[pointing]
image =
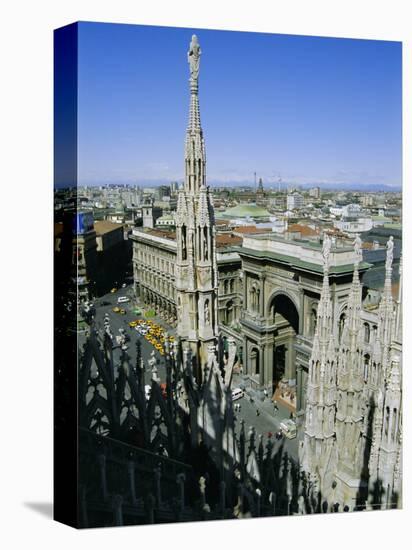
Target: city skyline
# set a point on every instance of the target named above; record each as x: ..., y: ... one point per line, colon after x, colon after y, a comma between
x: 290, y: 91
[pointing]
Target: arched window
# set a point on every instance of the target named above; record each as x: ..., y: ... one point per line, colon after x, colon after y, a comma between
x: 229, y: 312
x: 205, y: 244
x: 184, y: 247
x: 254, y: 356
x: 387, y: 422
x: 367, y: 332
x: 394, y: 415
x: 342, y: 321
x: 366, y: 363
x: 253, y: 299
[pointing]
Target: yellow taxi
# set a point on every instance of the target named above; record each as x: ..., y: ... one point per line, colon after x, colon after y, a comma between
x: 113, y: 290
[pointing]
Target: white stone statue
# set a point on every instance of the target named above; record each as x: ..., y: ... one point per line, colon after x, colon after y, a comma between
x: 389, y: 253
x: 327, y: 244
x: 207, y: 313
x: 193, y: 57
x: 357, y: 243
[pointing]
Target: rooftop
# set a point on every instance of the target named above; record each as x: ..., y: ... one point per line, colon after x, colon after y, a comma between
x: 228, y: 239
x: 245, y: 210
x: 103, y: 226
x: 250, y: 230
x: 302, y: 254
x: 304, y: 230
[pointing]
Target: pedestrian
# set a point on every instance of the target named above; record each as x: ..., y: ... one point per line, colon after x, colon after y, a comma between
x: 257, y: 412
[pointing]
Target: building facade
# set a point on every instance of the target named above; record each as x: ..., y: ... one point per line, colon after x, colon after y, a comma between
x: 295, y: 201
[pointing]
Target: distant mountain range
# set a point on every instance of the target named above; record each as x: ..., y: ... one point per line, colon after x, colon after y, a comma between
x: 365, y: 187
x: 368, y: 187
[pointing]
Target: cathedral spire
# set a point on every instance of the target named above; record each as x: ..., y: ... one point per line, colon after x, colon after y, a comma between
x: 386, y: 309
x: 196, y: 265
x: 318, y: 451
x: 350, y: 379
x: 195, y: 155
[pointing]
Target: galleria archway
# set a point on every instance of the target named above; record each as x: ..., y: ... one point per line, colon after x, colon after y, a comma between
x: 285, y: 322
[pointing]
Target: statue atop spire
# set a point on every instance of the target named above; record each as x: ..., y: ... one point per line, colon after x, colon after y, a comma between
x: 327, y: 245
x: 193, y: 57
x: 357, y: 243
x: 389, y: 254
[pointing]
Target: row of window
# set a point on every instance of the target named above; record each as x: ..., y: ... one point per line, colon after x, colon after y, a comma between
x: 164, y: 287
x: 154, y: 260
x: 228, y: 286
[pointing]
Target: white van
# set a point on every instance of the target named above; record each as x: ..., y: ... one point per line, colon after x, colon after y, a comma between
x: 123, y: 299
x: 237, y: 393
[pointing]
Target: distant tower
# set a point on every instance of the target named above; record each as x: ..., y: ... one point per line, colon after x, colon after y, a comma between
x: 260, y: 194
x: 148, y: 218
x: 196, y: 266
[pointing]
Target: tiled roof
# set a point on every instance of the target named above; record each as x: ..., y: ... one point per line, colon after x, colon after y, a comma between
x: 164, y: 234
x: 250, y: 230
x: 104, y: 226
x: 228, y: 240
x: 304, y: 230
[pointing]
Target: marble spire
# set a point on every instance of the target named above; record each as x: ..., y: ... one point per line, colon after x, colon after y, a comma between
x: 196, y: 265
x: 318, y: 453
x: 195, y: 153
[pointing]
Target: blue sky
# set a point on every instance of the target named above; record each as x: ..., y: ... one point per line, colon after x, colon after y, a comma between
x: 306, y: 109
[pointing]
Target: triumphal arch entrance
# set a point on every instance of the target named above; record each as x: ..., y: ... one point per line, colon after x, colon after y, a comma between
x: 282, y: 285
